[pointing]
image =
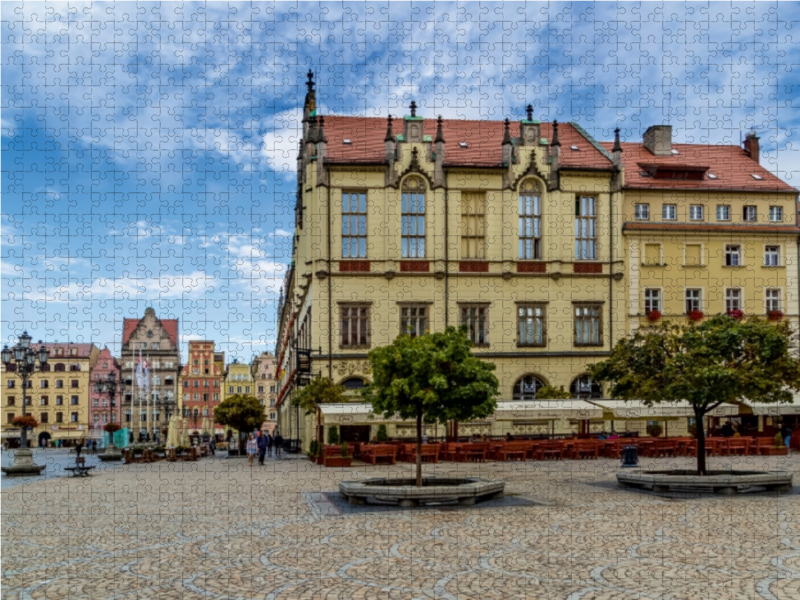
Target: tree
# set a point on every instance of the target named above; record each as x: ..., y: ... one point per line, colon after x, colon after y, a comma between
x: 434, y: 377
x: 547, y: 392
x: 321, y: 390
x: 241, y: 412
x: 724, y: 359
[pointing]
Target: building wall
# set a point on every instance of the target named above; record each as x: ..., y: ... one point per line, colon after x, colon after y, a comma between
x: 102, y: 409
x: 263, y: 372
x: 200, y: 384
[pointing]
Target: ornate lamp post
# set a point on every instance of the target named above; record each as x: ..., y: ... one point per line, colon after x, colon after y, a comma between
x: 23, y: 357
x: 109, y: 386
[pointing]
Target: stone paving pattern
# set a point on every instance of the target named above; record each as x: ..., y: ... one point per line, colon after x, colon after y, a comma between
x: 219, y: 529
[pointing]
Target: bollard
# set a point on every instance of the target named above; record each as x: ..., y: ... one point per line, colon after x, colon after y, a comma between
x: 629, y: 457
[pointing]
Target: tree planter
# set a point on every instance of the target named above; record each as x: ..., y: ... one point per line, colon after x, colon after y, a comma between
x: 338, y: 461
x: 773, y: 451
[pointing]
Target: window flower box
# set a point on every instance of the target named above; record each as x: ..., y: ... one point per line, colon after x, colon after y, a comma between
x: 654, y: 315
x: 736, y: 314
x: 696, y: 315
x: 775, y: 315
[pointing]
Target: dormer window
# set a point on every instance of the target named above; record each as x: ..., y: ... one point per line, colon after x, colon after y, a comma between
x: 674, y: 151
x: 463, y: 144
x: 758, y: 177
x: 574, y: 148
x: 712, y: 176
x: 346, y: 141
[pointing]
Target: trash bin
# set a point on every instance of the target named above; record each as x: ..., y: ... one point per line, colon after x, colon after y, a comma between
x: 629, y: 457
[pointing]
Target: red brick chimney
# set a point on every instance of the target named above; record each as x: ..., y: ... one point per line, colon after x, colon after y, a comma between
x: 751, y: 145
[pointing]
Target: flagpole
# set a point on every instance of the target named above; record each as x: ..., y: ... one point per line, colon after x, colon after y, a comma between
x: 133, y: 397
x: 138, y: 374
x: 151, y: 436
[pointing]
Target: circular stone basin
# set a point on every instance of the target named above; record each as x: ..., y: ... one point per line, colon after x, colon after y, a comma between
x: 404, y: 492
x: 717, y: 482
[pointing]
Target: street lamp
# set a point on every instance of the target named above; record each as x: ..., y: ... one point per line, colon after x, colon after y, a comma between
x: 23, y: 358
x: 108, y: 385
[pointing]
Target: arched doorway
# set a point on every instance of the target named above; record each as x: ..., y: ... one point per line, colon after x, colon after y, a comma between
x: 526, y: 387
x: 44, y: 438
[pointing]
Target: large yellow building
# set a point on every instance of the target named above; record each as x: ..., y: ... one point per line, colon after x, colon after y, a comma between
x: 545, y: 243
x: 57, y: 395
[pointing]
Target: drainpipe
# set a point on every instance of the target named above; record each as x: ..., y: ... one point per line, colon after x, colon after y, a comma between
x: 447, y: 249
x: 330, y: 274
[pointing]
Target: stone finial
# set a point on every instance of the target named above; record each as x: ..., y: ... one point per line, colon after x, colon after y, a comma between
x: 529, y: 112
x: 321, y: 132
x: 617, y: 147
x: 310, y: 82
x: 413, y: 108
x: 439, y: 132
x: 389, y: 134
x: 555, y: 142
x: 506, y: 133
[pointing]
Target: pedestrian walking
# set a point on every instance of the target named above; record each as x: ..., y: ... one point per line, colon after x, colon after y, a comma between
x: 261, y: 442
x: 252, y: 448
x: 278, y: 444
x: 94, y: 447
x: 786, y: 434
x: 78, y: 448
x: 212, y: 446
x: 270, y: 443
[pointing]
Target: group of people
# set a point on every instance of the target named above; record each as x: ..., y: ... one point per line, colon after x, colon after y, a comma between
x: 261, y: 443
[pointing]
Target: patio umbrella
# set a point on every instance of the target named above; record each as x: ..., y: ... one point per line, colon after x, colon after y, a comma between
x: 206, y: 428
x: 185, y: 433
x: 172, y: 433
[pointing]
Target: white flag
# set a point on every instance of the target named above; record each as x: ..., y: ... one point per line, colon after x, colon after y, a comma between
x: 147, y: 376
x: 139, y: 372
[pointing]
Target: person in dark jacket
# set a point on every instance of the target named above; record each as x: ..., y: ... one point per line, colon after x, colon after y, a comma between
x: 262, y: 446
x: 269, y: 444
x: 278, y: 443
x: 786, y: 434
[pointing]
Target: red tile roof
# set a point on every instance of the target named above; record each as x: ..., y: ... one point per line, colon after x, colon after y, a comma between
x: 714, y: 228
x: 483, y: 139
x: 732, y: 165
x: 169, y: 325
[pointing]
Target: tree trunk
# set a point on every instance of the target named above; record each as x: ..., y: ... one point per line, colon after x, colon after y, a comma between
x: 319, y: 425
x: 419, y: 449
x: 701, y: 440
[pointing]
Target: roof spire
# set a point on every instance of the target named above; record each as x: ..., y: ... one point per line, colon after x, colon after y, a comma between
x: 439, y: 132
x: 413, y: 109
x: 529, y: 112
x: 321, y: 131
x: 555, y: 141
x: 506, y: 133
x: 617, y: 147
x: 310, y: 82
x: 389, y: 134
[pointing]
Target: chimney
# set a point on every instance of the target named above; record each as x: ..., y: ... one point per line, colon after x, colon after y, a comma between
x: 751, y: 146
x: 412, y: 125
x: 658, y: 140
x: 616, y: 151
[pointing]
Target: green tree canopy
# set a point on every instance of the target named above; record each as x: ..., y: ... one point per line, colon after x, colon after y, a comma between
x: 321, y: 390
x: 548, y: 392
x: 240, y: 411
x: 721, y: 360
x: 432, y: 377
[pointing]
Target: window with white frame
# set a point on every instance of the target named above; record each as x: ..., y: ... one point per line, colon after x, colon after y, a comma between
x: 750, y: 213
x: 530, y: 225
x: 776, y: 213
x: 476, y: 318
x: 669, y: 212
x: 413, y: 218
x: 733, y: 255
x: 652, y: 300
x: 773, y: 300
x: 693, y: 301
x: 588, y: 325
x: 641, y: 212
x: 733, y: 299
x: 723, y: 213
x: 354, y: 225
x: 473, y: 225
x: 772, y: 256
x: 585, y: 234
x: 354, y: 325
x: 413, y: 319
x: 531, y: 324
x: 696, y: 212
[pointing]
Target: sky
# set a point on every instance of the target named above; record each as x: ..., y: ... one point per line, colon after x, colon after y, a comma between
x: 148, y: 149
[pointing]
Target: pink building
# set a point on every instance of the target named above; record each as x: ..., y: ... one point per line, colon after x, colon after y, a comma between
x: 101, y: 409
x: 263, y: 372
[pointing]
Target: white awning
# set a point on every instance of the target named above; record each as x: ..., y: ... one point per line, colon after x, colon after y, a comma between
x: 775, y: 410
x: 350, y: 412
x: 548, y: 410
x: 636, y: 409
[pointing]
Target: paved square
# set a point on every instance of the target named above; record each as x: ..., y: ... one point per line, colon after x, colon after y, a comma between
x: 220, y: 529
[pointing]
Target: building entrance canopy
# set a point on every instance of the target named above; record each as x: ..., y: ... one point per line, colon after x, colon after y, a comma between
x: 636, y: 409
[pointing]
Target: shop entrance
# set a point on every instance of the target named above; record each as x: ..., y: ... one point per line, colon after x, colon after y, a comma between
x: 354, y: 433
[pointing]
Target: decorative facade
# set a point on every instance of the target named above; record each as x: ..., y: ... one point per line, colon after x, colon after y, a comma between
x: 533, y: 235
x: 200, y: 384
x: 102, y: 408
x: 263, y: 372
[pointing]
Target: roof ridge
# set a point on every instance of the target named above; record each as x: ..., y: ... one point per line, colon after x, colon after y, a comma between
x: 591, y: 140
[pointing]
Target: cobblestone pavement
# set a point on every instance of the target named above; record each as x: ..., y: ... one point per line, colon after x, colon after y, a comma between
x: 220, y: 529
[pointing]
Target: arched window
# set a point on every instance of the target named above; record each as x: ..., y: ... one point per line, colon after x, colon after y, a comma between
x: 60, y: 367
x: 526, y: 387
x: 583, y: 387
x: 530, y: 221
x: 354, y: 383
x: 413, y: 218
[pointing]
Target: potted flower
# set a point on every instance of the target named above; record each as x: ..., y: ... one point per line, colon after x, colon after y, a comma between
x: 313, y: 450
x: 696, y: 315
x: 339, y: 461
x: 736, y: 314
x: 775, y: 315
x: 778, y: 449
x: 654, y: 315
x: 654, y: 430
x: 24, y: 422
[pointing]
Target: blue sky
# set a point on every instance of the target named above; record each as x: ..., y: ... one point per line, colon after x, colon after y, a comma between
x: 148, y: 150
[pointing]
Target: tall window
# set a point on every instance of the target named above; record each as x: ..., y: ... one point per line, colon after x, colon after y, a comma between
x: 652, y: 301
x: 771, y: 256
x: 773, y: 300
x: 693, y: 301
x: 473, y: 225
x: 750, y: 213
x: 354, y: 325
x: 696, y: 212
x: 588, y: 324
x: 641, y: 212
x: 775, y: 213
x: 531, y: 324
x: 733, y: 299
x: 530, y: 224
x: 733, y: 255
x: 413, y: 215
x: 476, y: 318
x: 354, y: 225
x: 585, y: 236
x: 723, y: 213
x: 669, y: 212
x: 413, y: 319
x: 526, y: 387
